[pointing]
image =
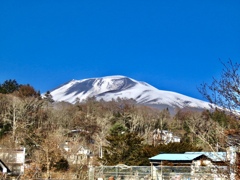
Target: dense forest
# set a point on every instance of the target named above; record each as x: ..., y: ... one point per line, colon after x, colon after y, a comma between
x: 115, y: 132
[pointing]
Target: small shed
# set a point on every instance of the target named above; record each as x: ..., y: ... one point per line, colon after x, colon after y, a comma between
x: 187, y: 158
x: 175, y: 159
x: 187, y: 164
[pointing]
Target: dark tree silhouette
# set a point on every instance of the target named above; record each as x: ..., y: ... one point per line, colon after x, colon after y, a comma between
x: 9, y: 86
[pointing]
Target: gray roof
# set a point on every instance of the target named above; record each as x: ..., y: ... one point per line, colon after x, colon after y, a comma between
x: 214, y: 156
x: 189, y: 156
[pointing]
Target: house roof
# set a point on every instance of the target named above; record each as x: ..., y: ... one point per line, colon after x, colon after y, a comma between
x: 214, y: 156
x: 2, y: 166
x: 189, y: 156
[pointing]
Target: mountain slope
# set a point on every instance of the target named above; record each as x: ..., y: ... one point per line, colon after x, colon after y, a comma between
x: 113, y: 87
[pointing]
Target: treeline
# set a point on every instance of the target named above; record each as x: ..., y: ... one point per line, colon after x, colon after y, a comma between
x: 118, y: 131
x: 12, y: 86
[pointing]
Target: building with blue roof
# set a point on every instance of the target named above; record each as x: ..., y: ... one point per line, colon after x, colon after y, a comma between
x: 188, y: 164
x: 174, y: 159
x: 188, y: 157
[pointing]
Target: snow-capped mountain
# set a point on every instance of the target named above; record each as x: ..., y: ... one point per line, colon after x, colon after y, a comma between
x: 113, y: 87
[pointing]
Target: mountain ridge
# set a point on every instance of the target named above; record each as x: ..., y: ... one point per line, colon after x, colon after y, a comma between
x: 118, y: 86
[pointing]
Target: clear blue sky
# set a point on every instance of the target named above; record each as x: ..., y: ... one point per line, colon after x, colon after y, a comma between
x: 173, y: 45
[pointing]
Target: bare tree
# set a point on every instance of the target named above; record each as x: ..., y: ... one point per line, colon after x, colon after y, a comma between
x: 224, y: 92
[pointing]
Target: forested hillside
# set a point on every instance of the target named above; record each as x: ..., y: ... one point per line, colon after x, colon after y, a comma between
x: 118, y: 131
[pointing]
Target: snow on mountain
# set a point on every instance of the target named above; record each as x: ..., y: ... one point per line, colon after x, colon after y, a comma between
x: 113, y: 87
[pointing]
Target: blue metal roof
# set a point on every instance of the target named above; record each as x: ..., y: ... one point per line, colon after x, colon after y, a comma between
x: 189, y: 156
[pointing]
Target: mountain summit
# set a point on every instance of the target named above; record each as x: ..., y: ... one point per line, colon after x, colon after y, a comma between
x: 113, y: 87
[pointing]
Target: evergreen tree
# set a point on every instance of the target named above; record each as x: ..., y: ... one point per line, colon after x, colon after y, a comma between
x: 123, y: 147
x: 9, y: 86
